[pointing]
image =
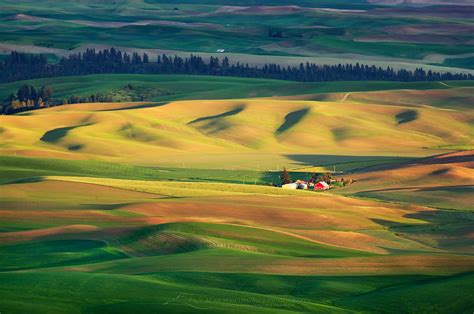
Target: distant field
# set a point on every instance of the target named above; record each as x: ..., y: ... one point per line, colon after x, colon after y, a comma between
x: 329, y: 32
x: 208, y: 87
x: 165, y: 200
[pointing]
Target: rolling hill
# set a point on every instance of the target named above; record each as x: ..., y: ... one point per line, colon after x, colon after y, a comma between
x: 160, y: 133
x: 161, y: 206
x: 443, y: 181
x: 167, y: 198
x: 156, y: 245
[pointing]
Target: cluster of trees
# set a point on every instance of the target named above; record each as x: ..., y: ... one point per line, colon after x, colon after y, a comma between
x: 285, y: 177
x: 327, y: 177
x: 318, y: 177
x: 27, y: 98
x: 19, y: 66
x: 85, y: 99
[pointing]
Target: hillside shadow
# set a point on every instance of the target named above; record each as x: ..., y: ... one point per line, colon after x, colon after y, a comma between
x: 406, y: 116
x: 292, y: 119
x: 449, y: 229
x: 158, y: 104
x: 23, y: 180
x: 340, y: 134
x: 104, y: 206
x: 232, y: 112
x: 75, y: 147
x: 53, y: 136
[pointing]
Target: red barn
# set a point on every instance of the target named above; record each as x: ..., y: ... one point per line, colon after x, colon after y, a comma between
x: 321, y: 186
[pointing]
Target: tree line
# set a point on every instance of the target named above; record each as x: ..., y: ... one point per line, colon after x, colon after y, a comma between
x: 29, y: 98
x: 21, y: 66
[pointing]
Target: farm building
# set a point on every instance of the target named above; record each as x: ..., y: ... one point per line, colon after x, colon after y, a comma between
x: 321, y: 186
x: 290, y: 186
x: 302, y: 185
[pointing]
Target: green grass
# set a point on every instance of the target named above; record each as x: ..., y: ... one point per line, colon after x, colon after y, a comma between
x: 437, y: 295
x: 222, y: 235
x: 455, y: 197
x: 132, y: 252
x: 122, y: 294
x: 237, y: 33
x: 185, y: 189
x: 390, y: 49
x: 55, y: 253
x: 225, y: 293
x: 208, y: 87
x: 18, y: 168
x: 129, y: 265
x: 467, y: 63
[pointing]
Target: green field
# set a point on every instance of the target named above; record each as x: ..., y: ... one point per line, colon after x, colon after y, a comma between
x: 208, y: 87
x: 167, y: 200
x: 82, y: 231
x: 124, y: 245
x: 322, y: 31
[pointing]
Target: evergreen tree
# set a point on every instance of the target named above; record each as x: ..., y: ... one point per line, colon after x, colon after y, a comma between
x: 23, y: 92
x: 326, y: 177
x: 285, y: 177
x: 46, y: 93
x: 33, y: 93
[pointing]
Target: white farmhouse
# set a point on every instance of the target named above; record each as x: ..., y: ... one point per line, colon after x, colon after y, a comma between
x: 290, y: 186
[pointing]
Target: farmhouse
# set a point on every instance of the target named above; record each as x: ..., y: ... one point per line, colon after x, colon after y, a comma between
x: 321, y: 186
x: 302, y: 185
x: 290, y: 186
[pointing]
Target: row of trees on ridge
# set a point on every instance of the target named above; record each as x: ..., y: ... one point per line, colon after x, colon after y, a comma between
x: 21, y: 66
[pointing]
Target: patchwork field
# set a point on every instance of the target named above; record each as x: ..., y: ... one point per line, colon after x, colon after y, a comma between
x: 410, y: 35
x: 166, y: 198
x: 443, y: 181
x: 124, y: 244
x: 168, y: 205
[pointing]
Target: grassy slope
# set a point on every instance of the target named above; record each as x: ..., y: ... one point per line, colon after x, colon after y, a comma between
x: 184, y: 292
x: 216, y: 246
x: 443, y: 181
x: 90, y: 243
x: 14, y: 168
x: 208, y: 87
x: 213, y: 246
x: 178, y: 266
x: 163, y: 134
x: 142, y: 293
